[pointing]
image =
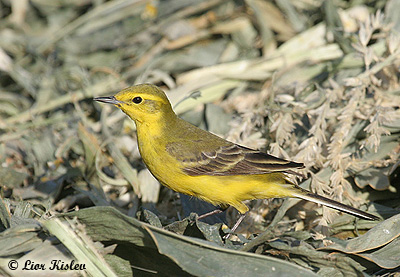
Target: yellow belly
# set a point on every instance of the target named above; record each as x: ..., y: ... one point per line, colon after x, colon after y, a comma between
x: 231, y: 190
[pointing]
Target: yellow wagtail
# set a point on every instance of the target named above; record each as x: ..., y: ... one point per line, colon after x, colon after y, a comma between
x: 192, y: 161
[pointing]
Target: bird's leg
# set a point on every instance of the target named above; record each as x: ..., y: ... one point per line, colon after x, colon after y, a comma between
x: 242, y: 216
x: 216, y: 211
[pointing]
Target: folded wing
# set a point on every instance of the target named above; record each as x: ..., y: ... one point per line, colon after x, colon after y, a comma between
x: 233, y: 160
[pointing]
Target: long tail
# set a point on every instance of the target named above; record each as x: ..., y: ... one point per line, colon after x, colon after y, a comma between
x: 306, y: 195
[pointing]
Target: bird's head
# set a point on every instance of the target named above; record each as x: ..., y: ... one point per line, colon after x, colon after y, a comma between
x: 142, y: 103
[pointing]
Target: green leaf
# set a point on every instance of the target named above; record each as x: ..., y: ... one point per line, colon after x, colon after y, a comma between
x: 380, y: 235
x: 201, y: 259
x: 387, y: 256
x: 5, y: 216
x: 80, y: 246
x: 19, y: 239
x: 157, y: 249
x: 304, y: 254
x: 380, y: 245
x: 11, y: 178
x: 377, y: 178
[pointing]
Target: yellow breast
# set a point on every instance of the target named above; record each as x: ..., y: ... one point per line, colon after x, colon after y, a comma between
x: 232, y: 190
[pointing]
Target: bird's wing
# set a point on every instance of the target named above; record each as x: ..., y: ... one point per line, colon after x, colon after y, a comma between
x: 229, y: 159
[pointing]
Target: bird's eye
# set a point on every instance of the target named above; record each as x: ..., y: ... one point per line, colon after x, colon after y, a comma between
x: 137, y: 100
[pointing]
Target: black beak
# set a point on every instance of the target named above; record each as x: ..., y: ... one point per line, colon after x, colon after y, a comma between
x: 108, y: 100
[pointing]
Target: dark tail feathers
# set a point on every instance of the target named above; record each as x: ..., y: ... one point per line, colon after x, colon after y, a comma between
x: 335, y: 205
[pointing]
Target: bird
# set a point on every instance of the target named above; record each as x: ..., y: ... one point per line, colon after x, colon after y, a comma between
x: 195, y: 162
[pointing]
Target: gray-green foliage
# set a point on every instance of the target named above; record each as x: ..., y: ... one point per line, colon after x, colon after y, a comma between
x: 312, y: 81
